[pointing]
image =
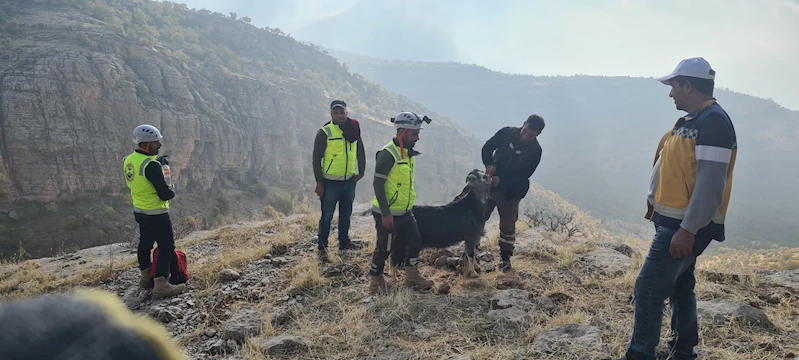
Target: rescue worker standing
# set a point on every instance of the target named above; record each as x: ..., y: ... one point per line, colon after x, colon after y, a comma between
x: 337, y: 149
x: 689, y: 195
x: 511, y: 157
x: 151, y: 194
x: 393, y: 203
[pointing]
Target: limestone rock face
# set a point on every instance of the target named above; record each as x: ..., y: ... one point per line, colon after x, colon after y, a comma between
x: 67, y: 111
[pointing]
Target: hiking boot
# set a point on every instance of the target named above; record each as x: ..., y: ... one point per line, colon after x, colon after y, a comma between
x: 415, y: 280
x: 378, y: 285
x: 323, y: 255
x: 504, y: 262
x: 351, y: 245
x: 146, y: 282
x: 163, y: 289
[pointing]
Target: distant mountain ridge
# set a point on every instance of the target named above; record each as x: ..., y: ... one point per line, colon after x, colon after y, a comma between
x: 601, y: 136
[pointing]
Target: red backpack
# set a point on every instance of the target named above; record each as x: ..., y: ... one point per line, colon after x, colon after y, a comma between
x: 178, y: 271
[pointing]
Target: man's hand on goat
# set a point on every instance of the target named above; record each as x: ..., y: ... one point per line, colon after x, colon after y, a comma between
x: 490, y: 170
x: 388, y: 221
x: 494, y: 181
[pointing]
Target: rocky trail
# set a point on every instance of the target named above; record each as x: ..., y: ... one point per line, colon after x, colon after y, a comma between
x: 257, y: 291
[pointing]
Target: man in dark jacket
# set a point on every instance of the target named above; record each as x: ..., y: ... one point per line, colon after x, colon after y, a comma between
x: 511, y: 156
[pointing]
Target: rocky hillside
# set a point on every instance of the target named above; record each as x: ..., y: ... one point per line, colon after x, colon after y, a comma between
x: 601, y: 136
x: 238, y: 105
x: 256, y: 291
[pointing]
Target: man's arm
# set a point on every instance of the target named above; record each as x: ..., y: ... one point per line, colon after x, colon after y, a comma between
x: 361, y: 154
x: 319, y: 145
x: 714, y: 146
x: 491, y: 145
x: 155, y: 175
x: 383, y: 165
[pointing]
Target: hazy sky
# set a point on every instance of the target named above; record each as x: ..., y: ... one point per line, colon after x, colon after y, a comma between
x: 752, y: 44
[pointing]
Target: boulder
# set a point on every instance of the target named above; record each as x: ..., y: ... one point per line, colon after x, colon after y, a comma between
x: 719, y: 312
x: 570, y: 340
x: 606, y: 261
x: 247, y: 322
x: 283, y: 344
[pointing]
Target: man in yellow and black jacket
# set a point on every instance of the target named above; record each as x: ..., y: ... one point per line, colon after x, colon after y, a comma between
x: 339, y: 162
x: 392, y: 206
x: 151, y: 194
x: 688, y: 197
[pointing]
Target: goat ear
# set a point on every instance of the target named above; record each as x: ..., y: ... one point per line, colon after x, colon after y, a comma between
x: 463, y: 193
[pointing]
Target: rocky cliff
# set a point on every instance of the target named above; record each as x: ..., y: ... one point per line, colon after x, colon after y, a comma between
x: 240, y: 109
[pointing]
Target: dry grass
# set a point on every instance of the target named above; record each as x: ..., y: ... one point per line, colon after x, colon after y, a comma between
x: 727, y: 259
x: 567, y: 254
x: 206, y: 270
x: 305, y: 274
x: 341, y: 322
x: 29, y: 279
x: 240, y: 246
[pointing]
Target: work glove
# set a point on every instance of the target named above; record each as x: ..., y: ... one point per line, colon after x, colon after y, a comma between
x: 163, y: 160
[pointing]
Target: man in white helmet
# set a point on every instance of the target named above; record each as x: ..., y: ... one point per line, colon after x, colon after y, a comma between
x: 151, y: 194
x: 392, y: 205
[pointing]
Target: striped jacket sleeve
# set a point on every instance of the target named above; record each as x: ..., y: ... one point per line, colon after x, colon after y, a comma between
x: 714, y: 145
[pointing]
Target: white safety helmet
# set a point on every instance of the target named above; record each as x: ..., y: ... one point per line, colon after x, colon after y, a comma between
x: 146, y: 133
x: 409, y: 120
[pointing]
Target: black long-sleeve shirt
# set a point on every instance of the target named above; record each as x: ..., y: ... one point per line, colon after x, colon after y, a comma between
x: 515, y: 161
x: 155, y: 175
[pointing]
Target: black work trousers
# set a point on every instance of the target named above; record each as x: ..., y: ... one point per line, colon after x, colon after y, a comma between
x: 404, y: 235
x: 155, y: 229
x: 508, y: 215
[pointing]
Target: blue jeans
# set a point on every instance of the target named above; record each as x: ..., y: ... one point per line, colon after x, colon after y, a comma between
x: 663, y: 277
x: 343, y: 194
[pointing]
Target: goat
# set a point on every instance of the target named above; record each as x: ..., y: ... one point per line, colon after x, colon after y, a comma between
x: 442, y: 226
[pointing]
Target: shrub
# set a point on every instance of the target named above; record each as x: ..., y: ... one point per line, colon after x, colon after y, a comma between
x: 11, y: 26
x: 282, y: 203
x: 222, y: 205
x: 51, y: 207
x: 271, y: 212
x: 71, y: 222
x: 97, y: 235
x: 260, y: 190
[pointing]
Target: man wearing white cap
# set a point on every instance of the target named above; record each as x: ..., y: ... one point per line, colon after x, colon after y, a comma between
x: 688, y: 197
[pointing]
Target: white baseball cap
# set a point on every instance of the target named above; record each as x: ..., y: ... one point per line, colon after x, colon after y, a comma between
x: 694, y: 67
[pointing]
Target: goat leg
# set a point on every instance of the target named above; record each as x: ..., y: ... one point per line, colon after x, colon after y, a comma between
x: 467, y: 266
x: 393, y: 271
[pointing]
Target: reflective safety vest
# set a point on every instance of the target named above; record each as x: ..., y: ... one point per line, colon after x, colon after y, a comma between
x: 145, y: 198
x: 400, y: 193
x: 340, y: 159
